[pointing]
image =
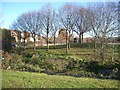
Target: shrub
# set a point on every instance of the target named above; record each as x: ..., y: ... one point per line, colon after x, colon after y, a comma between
x: 26, y: 57
x: 27, y: 54
x: 17, y: 50
x: 42, y: 61
x: 5, y: 63
x: 26, y: 60
x: 56, y: 65
x: 6, y: 40
x: 32, y: 68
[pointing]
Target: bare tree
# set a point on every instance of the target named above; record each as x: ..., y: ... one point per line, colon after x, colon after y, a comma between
x: 47, y: 21
x: 103, y: 23
x: 20, y: 24
x: 28, y: 22
x: 55, y: 25
x: 68, y: 19
x: 81, y: 24
x: 33, y: 21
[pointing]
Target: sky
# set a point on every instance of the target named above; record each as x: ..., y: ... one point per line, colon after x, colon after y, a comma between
x: 11, y: 9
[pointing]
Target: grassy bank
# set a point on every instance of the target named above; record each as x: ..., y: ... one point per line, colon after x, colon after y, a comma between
x: 18, y: 79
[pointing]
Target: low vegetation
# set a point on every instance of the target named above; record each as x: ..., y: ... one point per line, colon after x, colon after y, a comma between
x: 78, y: 62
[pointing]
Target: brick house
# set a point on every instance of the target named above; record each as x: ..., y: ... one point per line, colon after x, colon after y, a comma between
x: 17, y: 36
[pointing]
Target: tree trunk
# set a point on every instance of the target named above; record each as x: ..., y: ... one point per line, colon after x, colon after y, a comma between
x: 66, y: 42
x: 95, y: 48
x: 101, y: 53
x: 24, y: 44
x: 19, y: 42
x: 103, y: 48
x: 79, y: 38
x: 82, y: 38
x: 54, y: 41
x: 34, y: 43
x: 69, y: 41
x: 47, y: 42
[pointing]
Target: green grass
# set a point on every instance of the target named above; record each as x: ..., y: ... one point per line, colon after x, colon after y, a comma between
x: 86, y: 53
x: 83, y: 51
x: 17, y: 79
